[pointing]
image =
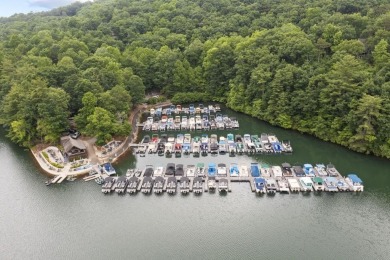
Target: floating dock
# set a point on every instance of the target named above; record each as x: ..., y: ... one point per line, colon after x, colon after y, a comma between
x: 270, y: 175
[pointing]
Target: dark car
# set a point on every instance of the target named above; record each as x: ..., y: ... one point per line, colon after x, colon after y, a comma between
x: 75, y: 135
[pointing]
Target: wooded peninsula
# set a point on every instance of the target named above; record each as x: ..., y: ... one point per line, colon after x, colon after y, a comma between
x: 321, y: 67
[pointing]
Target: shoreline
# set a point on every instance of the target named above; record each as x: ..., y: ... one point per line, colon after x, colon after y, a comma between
x: 112, y: 157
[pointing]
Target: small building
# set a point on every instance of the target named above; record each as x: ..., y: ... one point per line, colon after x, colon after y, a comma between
x: 73, y: 147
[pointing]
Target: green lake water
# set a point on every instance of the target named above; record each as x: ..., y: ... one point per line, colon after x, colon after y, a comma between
x: 75, y: 220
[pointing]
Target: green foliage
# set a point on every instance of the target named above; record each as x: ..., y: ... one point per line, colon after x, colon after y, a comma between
x: 321, y: 67
x: 190, y: 97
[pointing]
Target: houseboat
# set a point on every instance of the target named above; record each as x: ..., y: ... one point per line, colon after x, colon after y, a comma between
x: 331, y: 170
x: 294, y: 185
x: 211, y: 109
x: 170, y: 169
x: 133, y: 184
x: 168, y: 150
x: 221, y: 170
x: 306, y: 183
x: 265, y: 170
x: 121, y: 185
x: 222, y: 145
x: 171, y: 185
x: 239, y: 144
x: 318, y: 184
x: 232, y: 149
x: 271, y: 186
x: 298, y: 171
x: 309, y: 170
x: 223, y: 185
x: 190, y: 171
x: 184, y: 123
x: 178, y: 150
x: 178, y: 109
x: 257, y: 143
x: 230, y: 138
x: 158, y: 184
x: 148, y: 171
x: 108, y: 185
x: 255, y: 172
x: 147, y: 185
x: 259, y: 185
x: 159, y: 171
x: 342, y: 185
x: 283, y: 186
x: 287, y: 146
x: 217, y: 108
x: 179, y: 171
x: 212, y: 169
x: 170, y: 124
x: 197, y: 185
x: 277, y: 172
x: 320, y: 170
x: 200, y: 170
x: 354, y: 182
x: 108, y: 169
x: 205, y: 123
x: 244, y: 172
x: 192, y: 125
x: 233, y: 170
x: 286, y: 169
x: 184, y: 185
x: 211, y: 183
x: 330, y: 184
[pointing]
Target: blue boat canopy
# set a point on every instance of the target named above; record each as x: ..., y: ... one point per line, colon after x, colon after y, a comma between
x: 259, y: 180
x: 354, y: 178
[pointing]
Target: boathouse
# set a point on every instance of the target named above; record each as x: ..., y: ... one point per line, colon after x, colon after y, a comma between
x: 73, y: 147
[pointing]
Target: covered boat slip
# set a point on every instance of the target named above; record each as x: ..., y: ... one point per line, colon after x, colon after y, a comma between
x: 199, y: 178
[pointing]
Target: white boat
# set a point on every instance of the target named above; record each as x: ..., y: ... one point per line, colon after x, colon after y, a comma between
x: 306, y: 183
x: 223, y: 185
x: 187, y: 139
x: 184, y: 122
x: 198, y: 122
x: 318, y: 184
x: 211, y: 184
x: 294, y: 185
x: 221, y: 170
x: 159, y: 171
x: 272, y: 138
x: 354, y: 182
x: 277, y: 171
x: 244, y: 171
x: 283, y: 186
x: 180, y: 139
x: 271, y: 186
x: 321, y: 170
x: 168, y: 148
x: 190, y: 171
x: 192, y: 123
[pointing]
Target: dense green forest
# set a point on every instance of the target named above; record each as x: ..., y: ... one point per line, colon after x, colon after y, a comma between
x: 318, y: 66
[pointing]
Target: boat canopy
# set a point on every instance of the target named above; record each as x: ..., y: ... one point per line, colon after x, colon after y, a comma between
x: 354, y: 178
x: 318, y: 180
x: 260, y: 180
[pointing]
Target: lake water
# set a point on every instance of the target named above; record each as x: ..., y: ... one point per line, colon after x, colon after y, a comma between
x: 75, y: 220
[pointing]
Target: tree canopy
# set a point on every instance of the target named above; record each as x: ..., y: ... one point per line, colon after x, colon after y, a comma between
x: 321, y: 67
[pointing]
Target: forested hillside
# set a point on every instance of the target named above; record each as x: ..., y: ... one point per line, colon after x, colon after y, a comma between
x: 318, y: 66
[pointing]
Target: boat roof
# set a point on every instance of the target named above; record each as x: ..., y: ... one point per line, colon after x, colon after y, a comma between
x: 122, y: 178
x: 286, y: 165
x: 146, y: 179
x: 259, y: 180
x: 318, y: 179
x: 330, y: 179
x: 170, y: 179
x: 221, y: 165
x: 133, y: 179
x: 200, y: 164
x: 355, y: 178
x: 159, y: 179
x: 198, y: 179
x: 212, y: 165
x: 184, y: 179
x: 308, y: 165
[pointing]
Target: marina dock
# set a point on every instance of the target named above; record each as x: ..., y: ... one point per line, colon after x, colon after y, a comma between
x: 262, y: 179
